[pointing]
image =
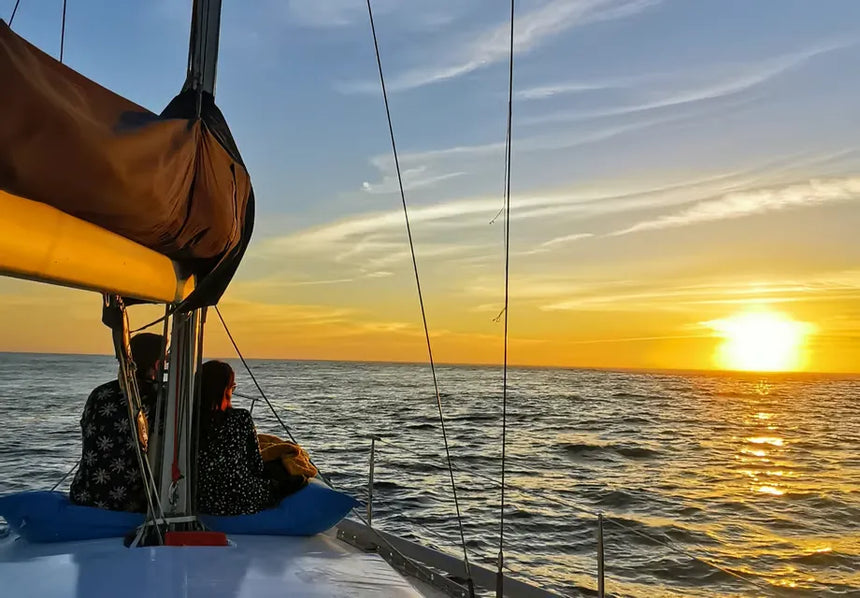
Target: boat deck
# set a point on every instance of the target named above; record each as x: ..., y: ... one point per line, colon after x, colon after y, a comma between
x: 251, y: 567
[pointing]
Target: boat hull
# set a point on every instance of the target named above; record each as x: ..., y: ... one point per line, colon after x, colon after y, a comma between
x: 251, y: 567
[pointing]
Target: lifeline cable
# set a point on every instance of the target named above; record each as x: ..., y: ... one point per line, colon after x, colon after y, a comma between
x: 420, y: 299
x: 500, y: 573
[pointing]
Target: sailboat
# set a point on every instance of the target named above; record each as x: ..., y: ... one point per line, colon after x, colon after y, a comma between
x: 99, y: 194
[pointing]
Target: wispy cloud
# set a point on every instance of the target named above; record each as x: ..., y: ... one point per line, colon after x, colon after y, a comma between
x: 428, y: 168
x: 382, y: 232
x: 543, y: 92
x: 566, y: 239
x: 456, y: 233
x: 243, y: 311
x: 332, y: 13
x: 671, y: 90
x: 746, y: 203
x: 413, y: 178
x: 554, y: 243
x: 533, y: 29
x: 690, y: 294
x: 343, y: 13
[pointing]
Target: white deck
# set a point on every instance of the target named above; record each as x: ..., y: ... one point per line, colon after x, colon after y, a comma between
x: 253, y: 567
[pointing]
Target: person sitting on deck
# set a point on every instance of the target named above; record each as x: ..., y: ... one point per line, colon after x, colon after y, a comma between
x: 109, y: 475
x: 230, y: 467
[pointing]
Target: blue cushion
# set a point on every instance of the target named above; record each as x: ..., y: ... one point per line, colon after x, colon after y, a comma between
x: 311, y: 510
x: 50, y: 517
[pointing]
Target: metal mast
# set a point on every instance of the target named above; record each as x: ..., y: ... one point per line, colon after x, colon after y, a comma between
x: 186, y: 339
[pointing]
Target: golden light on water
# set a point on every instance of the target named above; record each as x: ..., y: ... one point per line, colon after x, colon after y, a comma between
x: 761, y: 341
x: 771, y: 440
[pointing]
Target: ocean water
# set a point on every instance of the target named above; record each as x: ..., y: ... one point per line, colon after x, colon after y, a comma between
x: 757, y: 474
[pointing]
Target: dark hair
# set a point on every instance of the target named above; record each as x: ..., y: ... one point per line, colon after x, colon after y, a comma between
x: 147, y: 350
x: 215, y: 378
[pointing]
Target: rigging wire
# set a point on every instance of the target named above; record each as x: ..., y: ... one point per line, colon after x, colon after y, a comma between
x: 672, y: 546
x: 420, y: 296
x: 549, y: 497
x: 263, y: 394
x: 567, y: 504
x: 253, y: 377
x: 383, y: 541
x: 546, y: 495
x: 167, y: 313
x: 161, y: 394
x: 128, y: 386
x: 543, y: 494
x: 500, y: 576
x: 68, y: 473
x: 14, y: 10
x: 62, y: 32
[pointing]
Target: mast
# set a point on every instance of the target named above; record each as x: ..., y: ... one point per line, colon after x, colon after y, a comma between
x: 186, y: 340
x: 203, y: 50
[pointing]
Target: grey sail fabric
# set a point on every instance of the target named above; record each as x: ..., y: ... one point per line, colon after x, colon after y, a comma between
x: 174, y: 182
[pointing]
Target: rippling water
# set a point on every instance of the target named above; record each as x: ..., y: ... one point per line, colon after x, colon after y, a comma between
x: 760, y: 475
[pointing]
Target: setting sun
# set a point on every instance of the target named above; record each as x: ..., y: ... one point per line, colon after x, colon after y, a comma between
x: 761, y: 341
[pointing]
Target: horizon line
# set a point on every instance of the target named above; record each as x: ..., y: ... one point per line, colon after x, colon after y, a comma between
x: 617, y: 369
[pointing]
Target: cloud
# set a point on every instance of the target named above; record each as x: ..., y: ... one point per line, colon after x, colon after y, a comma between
x: 684, y: 88
x: 344, y: 13
x: 566, y: 239
x: 747, y: 203
x: 359, y: 230
x: 458, y: 231
x: 243, y: 311
x: 413, y: 178
x: 303, y: 283
x: 693, y: 294
x: 332, y: 13
x: 575, y: 87
x: 371, y: 233
x: 533, y: 29
x: 547, y: 246
x: 426, y: 169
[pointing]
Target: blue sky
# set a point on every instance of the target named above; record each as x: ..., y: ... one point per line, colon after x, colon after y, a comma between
x: 662, y: 149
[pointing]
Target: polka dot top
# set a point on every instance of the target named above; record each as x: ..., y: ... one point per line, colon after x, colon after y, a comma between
x: 231, y: 468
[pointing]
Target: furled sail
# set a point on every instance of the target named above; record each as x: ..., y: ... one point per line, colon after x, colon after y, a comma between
x: 174, y: 183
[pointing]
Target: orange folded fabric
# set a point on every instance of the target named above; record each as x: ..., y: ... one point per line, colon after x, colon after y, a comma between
x: 295, y: 459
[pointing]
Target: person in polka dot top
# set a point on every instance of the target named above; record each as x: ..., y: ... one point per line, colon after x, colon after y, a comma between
x: 232, y: 481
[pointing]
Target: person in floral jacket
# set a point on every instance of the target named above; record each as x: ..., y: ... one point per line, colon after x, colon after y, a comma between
x: 109, y: 475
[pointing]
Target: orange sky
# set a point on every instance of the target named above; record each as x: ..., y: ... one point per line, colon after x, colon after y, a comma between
x: 662, y: 179
x: 662, y: 329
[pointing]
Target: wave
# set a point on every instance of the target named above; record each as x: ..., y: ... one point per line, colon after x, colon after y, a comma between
x: 572, y: 445
x: 637, y: 452
x: 385, y: 485
x: 829, y: 558
x: 474, y: 417
x: 634, y: 395
x: 635, y: 419
x: 616, y: 498
x: 421, y: 426
x: 587, y: 450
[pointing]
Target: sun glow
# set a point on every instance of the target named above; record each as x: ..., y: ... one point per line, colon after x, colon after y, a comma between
x: 763, y: 341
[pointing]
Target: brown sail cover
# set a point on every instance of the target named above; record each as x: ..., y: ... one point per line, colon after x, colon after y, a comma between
x: 172, y: 182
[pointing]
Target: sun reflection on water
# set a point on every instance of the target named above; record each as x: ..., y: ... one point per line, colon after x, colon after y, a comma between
x: 771, y: 440
x: 763, y: 449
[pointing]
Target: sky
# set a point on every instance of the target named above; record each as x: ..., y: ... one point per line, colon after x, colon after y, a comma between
x: 674, y: 164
